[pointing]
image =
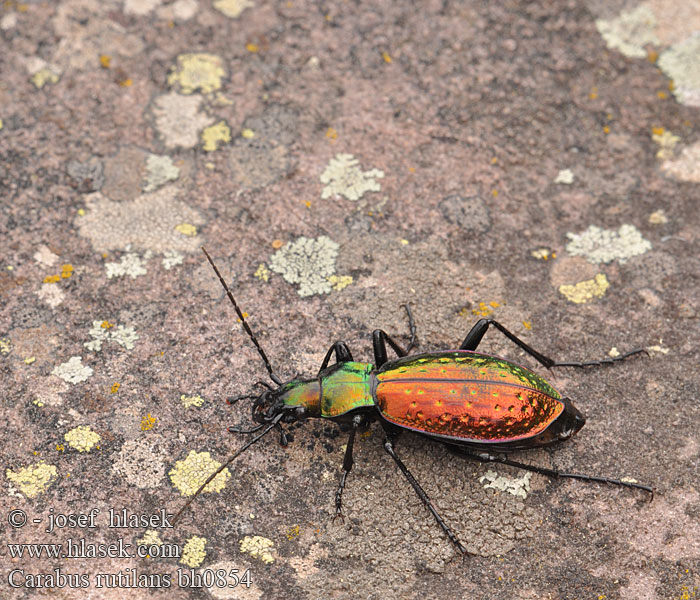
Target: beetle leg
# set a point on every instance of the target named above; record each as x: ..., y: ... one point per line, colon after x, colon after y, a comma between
x: 234, y: 429
x: 389, y: 447
x: 342, y: 354
x: 477, y: 332
x: 486, y: 457
x: 347, y: 467
x: 380, y: 339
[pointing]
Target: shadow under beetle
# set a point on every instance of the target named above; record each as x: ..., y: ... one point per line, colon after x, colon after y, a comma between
x: 476, y: 404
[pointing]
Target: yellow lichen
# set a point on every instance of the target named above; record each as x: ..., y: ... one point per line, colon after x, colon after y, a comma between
x: 339, y: 282
x: 485, y: 310
x: 186, y: 229
x: 667, y: 142
x: 29, y: 360
x: 188, y: 401
x: 5, y: 345
x: 52, y: 279
x: 147, y: 422
x: 248, y: 134
x: 34, y: 479
x: 251, y: 47
x: 331, y: 133
x: 585, y: 291
x: 115, y: 387
x: 198, y: 71
x: 187, y: 475
x: 387, y: 57
x: 193, y: 553
x: 106, y: 325
x: 263, y: 273
x: 66, y: 271
x: 232, y: 8
x: 258, y: 547
x: 150, y: 538
x: 82, y: 438
x: 105, y: 61
x: 215, y: 136
x: 293, y: 532
x: 44, y: 76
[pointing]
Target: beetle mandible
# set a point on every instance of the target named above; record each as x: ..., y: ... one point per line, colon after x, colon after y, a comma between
x: 477, y: 404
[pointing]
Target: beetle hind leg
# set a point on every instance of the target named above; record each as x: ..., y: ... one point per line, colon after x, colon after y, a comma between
x: 381, y: 338
x: 477, y: 332
x: 347, y: 467
x: 487, y: 457
x: 389, y: 447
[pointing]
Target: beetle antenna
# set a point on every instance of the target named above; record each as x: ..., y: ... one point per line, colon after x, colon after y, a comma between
x: 274, y: 377
x: 234, y: 456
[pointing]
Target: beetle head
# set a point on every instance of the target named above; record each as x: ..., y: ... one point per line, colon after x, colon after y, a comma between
x: 295, y: 400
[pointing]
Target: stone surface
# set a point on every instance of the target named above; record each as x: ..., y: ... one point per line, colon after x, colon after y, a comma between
x: 111, y: 178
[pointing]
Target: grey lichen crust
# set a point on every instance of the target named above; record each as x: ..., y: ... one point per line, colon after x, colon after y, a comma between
x: 308, y: 262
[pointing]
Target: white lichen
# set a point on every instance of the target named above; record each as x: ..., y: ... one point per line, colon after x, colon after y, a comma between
x: 171, y: 258
x: 101, y: 331
x: 307, y: 262
x: 681, y: 62
x: 687, y: 166
x: 45, y: 256
x: 72, y: 371
x: 130, y: 264
x: 51, y: 294
x: 565, y: 176
x: 343, y: 177
x: 159, y: 170
x: 518, y: 486
x: 630, y: 31
x: 180, y: 119
x: 599, y: 245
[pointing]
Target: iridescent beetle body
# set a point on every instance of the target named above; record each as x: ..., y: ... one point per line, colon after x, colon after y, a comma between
x: 476, y: 404
x: 459, y: 397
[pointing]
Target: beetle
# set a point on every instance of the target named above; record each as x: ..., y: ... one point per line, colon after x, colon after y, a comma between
x: 478, y: 405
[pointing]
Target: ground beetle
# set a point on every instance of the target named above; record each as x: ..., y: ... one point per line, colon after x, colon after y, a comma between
x: 476, y: 404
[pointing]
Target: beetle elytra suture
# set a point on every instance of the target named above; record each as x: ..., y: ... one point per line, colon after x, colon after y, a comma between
x: 476, y: 404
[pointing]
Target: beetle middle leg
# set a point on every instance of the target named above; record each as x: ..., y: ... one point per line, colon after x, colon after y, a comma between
x: 342, y: 354
x: 381, y: 338
x: 477, y: 332
x: 389, y: 447
x: 487, y: 457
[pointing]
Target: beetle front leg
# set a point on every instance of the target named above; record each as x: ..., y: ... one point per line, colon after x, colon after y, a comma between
x: 347, y: 467
x: 342, y: 354
x: 380, y: 339
x: 389, y: 447
x: 477, y: 333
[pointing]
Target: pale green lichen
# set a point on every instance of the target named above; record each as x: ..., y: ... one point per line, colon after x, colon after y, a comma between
x: 160, y: 169
x: 34, y: 479
x: 188, y: 401
x: 232, y: 8
x: 585, y: 291
x: 258, y: 547
x: 517, y: 486
x: 197, y: 71
x: 340, y: 282
x: 179, y: 119
x: 5, y: 345
x: 630, y: 31
x: 193, y: 553
x: 343, y: 177
x: 82, y: 438
x: 215, y: 136
x: 604, y: 245
x: 308, y: 262
x: 262, y: 273
x: 687, y: 166
x: 681, y: 62
x: 130, y: 264
x: 187, y: 475
x: 667, y: 142
x: 72, y: 371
